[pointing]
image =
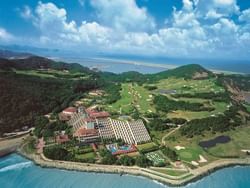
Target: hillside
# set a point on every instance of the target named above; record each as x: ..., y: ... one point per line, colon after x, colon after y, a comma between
x: 37, y: 85
x: 25, y: 96
x: 41, y: 63
x: 7, y: 54
x: 191, y: 71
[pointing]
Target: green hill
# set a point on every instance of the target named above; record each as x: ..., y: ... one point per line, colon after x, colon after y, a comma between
x: 191, y: 71
x: 36, y: 62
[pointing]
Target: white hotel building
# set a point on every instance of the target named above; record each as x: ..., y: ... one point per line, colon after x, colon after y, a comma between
x: 132, y: 132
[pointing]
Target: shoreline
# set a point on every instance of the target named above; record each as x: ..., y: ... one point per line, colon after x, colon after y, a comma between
x: 173, y: 181
x: 166, y: 66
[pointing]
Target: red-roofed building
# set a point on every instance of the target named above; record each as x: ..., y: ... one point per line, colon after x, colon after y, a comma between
x: 99, y: 115
x: 62, y: 139
x: 70, y: 110
x: 93, y: 113
x: 67, y: 113
x: 86, y: 135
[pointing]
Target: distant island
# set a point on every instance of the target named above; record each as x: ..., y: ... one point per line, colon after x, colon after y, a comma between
x: 173, y: 126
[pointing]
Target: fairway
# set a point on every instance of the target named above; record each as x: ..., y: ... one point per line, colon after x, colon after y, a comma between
x: 189, y: 86
x: 53, y: 74
x: 190, y: 154
x: 220, y: 107
x: 240, y: 140
x: 132, y: 96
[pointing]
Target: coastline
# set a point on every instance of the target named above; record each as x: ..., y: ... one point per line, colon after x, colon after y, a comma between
x: 160, y: 65
x: 173, y: 181
x: 166, y: 66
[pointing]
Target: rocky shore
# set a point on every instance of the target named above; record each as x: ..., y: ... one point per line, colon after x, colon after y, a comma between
x: 194, y: 175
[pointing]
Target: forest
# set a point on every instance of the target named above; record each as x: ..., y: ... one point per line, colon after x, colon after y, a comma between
x: 23, y: 98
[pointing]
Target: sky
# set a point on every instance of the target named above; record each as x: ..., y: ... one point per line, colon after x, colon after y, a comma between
x: 166, y: 28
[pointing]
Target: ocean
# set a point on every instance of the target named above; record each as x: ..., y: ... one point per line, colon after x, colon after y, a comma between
x: 154, y: 65
x: 18, y: 172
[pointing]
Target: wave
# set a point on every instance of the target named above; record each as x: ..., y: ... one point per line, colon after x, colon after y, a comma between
x: 16, y: 166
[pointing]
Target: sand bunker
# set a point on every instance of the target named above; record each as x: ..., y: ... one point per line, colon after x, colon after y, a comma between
x: 202, y: 159
x: 179, y: 147
x: 195, y: 163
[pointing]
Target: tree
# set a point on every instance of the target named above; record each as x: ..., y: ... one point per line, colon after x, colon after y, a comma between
x: 171, y: 154
x: 107, y: 157
x: 142, y: 161
x: 126, y: 161
x: 57, y: 153
x: 40, y: 123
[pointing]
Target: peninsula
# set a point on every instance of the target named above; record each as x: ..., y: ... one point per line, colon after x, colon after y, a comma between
x: 174, y: 126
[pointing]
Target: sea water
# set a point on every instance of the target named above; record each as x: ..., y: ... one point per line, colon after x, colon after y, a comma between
x: 16, y: 171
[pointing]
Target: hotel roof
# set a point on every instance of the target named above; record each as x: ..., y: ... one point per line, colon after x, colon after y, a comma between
x: 95, y: 114
x: 70, y: 110
x: 86, y: 132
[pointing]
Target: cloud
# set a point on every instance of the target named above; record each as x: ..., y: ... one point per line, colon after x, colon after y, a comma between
x: 245, y: 16
x: 198, y: 29
x: 214, y: 9
x: 82, y: 2
x: 123, y: 15
x: 5, y: 36
x: 26, y: 13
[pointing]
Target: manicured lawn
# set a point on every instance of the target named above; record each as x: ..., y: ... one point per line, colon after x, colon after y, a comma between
x: 240, y: 140
x: 192, y: 87
x: 145, y: 146
x: 189, y: 86
x: 34, y: 73
x: 90, y: 155
x: 52, y: 74
x: 190, y: 154
x: 192, y: 149
x: 132, y: 95
x: 220, y: 107
x: 171, y: 172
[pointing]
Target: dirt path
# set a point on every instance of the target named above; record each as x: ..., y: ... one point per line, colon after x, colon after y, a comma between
x: 167, y: 135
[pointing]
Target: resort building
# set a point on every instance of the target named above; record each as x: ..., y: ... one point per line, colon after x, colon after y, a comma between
x: 122, y: 130
x: 87, y: 135
x: 132, y: 132
x: 139, y: 131
x: 93, y: 113
x: 89, y: 125
x: 67, y: 113
x: 60, y: 139
x: 105, y: 128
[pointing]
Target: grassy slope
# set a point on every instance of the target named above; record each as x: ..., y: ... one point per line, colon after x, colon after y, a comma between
x: 240, y: 140
x: 132, y: 95
x: 53, y: 74
x: 138, y: 96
